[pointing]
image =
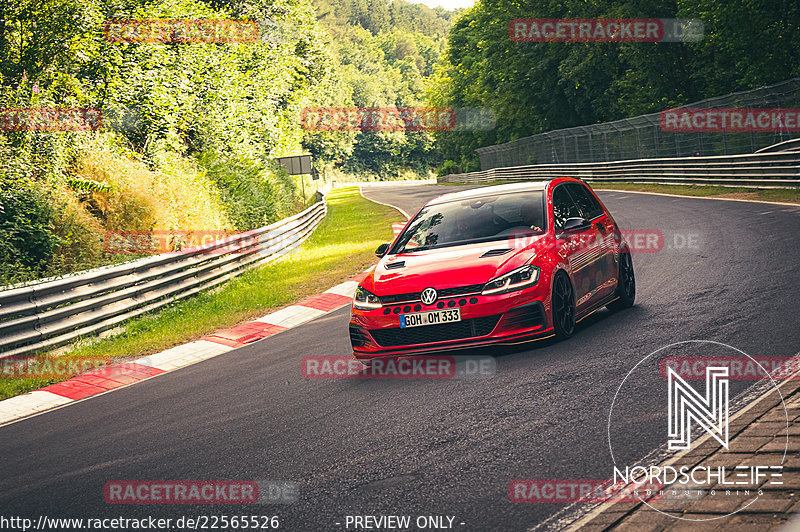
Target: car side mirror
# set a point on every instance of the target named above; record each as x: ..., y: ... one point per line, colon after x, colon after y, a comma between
x: 573, y: 225
x: 382, y: 249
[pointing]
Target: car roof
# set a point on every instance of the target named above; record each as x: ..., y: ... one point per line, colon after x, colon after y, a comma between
x: 490, y: 191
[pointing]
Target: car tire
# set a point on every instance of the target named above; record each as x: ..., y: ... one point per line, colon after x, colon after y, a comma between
x: 563, y: 306
x: 626, y: 284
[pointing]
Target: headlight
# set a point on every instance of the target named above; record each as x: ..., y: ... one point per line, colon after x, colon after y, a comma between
x: 514, y: 280
x: 366, y: 300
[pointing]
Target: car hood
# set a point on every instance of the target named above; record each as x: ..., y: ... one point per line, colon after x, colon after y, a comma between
x: 448, y: 267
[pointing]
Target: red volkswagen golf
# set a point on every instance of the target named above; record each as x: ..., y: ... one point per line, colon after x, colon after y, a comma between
x: 500, y: 264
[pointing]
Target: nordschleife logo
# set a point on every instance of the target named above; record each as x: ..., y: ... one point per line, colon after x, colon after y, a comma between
x: 685, y: 405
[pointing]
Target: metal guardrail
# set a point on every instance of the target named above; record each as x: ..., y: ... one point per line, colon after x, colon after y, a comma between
x: 787, y: 145
x: 642, y: 137
x: 777, y: 169
x: 50, y: 314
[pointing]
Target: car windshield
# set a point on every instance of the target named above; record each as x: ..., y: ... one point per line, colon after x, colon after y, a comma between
x: 482, y: 219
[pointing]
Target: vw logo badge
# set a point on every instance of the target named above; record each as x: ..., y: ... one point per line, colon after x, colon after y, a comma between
x: 429, y: 296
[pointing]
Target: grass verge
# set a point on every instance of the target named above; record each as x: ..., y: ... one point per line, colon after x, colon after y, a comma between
x: 342, y: 246
x: 782, y: 195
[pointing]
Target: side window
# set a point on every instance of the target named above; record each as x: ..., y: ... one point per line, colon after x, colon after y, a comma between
x: 586, y: 201
x: 563, y: 207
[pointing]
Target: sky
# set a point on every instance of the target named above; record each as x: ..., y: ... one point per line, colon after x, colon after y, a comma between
x: 447, y: 4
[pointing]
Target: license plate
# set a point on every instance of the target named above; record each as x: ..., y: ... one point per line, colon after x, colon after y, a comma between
x: 433, y: 317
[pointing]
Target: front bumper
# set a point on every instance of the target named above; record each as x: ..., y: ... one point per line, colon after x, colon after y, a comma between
x: 486, y: 320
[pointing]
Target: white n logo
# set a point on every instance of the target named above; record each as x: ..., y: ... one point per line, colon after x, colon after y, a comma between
x: 685, y: 405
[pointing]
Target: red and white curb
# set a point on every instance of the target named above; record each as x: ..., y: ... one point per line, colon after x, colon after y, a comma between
x: 97, y: 382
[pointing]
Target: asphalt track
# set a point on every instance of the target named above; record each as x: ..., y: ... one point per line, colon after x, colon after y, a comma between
x: 421, y: 447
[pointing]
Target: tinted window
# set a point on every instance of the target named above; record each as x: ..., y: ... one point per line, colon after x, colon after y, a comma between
x: 471, y: 220
x: 585, y: 200
x: 563, y: 207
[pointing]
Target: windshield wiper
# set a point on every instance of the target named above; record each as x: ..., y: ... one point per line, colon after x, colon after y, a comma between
x: 412, y: 250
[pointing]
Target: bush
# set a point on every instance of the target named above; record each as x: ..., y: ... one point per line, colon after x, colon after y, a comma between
x: 472, y: 166
x: 254, y: 194
x: 449, y: 167
x: 126, y: 195
x: 79, y: 234
x: 27, y: 242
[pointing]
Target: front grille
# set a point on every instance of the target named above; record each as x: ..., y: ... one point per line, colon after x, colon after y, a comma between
x: 426, y: 334
x: 399, y: 298
x: 469, y: 289
x: 443, y: 293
